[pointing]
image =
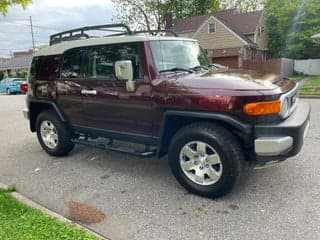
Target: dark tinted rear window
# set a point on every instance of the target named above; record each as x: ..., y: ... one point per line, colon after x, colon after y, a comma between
x: 49, y: 68
x: 72, y: 62
x: 35, y: 65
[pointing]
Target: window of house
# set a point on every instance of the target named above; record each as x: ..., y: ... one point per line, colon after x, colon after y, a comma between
x: 101, y: 60
x: 71, y: 65
x: 211, y: 27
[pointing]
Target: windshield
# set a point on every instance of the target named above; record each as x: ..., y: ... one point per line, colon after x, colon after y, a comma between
x: 177, y: 54
x: 17, y: 80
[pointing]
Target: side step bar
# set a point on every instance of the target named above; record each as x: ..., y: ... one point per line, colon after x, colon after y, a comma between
x: 109, y: 146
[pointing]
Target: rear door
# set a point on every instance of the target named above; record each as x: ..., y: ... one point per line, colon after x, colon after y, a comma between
x: 70, y: 84
x: 107, y: 104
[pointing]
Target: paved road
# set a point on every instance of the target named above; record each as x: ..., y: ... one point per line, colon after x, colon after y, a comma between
x: 141, y: 199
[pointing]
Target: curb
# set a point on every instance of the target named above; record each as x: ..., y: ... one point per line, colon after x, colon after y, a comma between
x: 309, y: 96
x: 51, y: 213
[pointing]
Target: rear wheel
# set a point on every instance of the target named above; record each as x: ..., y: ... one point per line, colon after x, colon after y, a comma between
x: 54, y: 136
x: 206, y: 159
x: 8, y: 92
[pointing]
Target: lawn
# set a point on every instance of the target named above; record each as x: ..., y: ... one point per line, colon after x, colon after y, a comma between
x: 19, y: 222
x: 311, y: 87
x: 297, y: 77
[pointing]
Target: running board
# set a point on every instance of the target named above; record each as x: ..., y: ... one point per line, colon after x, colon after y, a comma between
x: 147, y: 153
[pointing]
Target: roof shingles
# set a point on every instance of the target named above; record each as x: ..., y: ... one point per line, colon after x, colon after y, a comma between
x: 239, y: 23
x: 17, y: 62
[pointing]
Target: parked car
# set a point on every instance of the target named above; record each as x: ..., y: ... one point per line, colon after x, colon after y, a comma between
x: 161, y: 91
x: 10, y: 85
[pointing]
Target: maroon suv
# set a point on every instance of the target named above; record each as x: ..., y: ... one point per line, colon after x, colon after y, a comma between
x: 161, y: 91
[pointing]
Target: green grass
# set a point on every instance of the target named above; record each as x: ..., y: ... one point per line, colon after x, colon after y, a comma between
x: 19, y: 222
x: 311, y: 87
x: 298, y: 76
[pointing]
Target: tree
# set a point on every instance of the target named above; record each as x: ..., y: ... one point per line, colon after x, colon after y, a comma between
x: 243, y: 5
x: 147, y: 14
x: 5, y: 4
x: 290, y: 25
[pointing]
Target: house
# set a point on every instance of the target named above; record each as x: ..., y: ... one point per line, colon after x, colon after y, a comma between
x: 228, y: 37
x: 17, y: 66
x: 316, y: 38
x: 28, y: 52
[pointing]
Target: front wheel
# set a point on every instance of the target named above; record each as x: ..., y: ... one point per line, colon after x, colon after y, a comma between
x: 8, y: 92
x: 54, y: 136
x: 206, y: 159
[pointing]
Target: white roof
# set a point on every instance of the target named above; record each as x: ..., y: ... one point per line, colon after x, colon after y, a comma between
x: 59, y: 48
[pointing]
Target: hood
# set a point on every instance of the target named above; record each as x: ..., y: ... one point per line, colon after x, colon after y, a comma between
x: 237, y: 79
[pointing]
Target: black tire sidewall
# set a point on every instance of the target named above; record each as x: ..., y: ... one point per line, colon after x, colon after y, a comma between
x: 230, y: 166
x: 64, y: 138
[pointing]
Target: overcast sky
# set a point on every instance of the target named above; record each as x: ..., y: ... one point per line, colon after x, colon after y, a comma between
x: 49, y: 16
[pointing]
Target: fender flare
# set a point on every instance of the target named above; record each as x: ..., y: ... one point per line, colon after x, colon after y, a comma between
x: 33, y: 112
x: 231, y: 120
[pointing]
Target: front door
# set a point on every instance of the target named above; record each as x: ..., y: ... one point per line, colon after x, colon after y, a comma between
x: 106, y: 103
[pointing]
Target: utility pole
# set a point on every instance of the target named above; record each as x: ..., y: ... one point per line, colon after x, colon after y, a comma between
x: 32, y: 34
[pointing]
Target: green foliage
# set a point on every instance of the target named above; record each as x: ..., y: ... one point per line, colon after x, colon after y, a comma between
x: 19, y: 222
x: 147, y: 14
x: 297, y: 76
x: 311, y: 87
x: 290, y: 25
x: 19, y: 75
x: 5, y: 4
x: 243, y: 5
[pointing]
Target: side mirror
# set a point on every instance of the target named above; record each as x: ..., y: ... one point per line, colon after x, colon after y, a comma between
x: 124, y: 72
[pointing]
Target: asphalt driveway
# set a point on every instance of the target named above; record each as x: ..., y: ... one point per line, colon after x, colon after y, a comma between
x: 141, y: 199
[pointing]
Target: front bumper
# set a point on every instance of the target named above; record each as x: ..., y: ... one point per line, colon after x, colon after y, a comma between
x: 282, y: 140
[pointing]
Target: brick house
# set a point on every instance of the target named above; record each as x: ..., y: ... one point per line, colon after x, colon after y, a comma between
x: 228, y: 37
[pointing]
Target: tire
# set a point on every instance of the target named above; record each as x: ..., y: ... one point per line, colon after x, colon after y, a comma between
x: 54, y: 136
x: 8, y: 91
x: 215, y: 149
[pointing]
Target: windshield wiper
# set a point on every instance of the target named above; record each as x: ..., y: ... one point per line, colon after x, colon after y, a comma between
x: 176, y: 69
x: 197, y: 68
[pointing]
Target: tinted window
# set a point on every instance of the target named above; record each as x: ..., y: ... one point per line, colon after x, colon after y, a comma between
x: 101, y: 60
x: 49, y: 68
x: 35, y: 65
x: 71, y: 65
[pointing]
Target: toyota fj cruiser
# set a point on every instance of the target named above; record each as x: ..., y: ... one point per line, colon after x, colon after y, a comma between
x: 161, y: 91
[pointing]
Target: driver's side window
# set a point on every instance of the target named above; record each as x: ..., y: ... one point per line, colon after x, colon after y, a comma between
x: 101, y: 59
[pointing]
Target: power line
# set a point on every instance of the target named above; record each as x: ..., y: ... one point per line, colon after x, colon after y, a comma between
x: 36, y: 26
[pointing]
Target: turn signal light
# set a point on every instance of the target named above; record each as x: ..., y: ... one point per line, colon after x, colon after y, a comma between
x: 262, y: 108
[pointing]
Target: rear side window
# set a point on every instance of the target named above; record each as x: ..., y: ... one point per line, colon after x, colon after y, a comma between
x: 71, y: 64
x: 49, y: 68
x: 101, y: 60
x: 34, y: 69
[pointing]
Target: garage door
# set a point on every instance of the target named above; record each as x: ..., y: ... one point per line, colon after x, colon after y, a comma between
x: 231, y: 62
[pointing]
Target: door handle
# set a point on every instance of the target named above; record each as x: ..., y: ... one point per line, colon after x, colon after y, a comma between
x: 88, y: 92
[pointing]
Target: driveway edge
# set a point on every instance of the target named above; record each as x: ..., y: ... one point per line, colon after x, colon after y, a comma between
x: 51, y: 213
x: 309, y: 96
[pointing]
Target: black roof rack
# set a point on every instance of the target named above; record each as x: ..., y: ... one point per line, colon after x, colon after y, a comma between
x: 156, y: 32
x: 79, y: 33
